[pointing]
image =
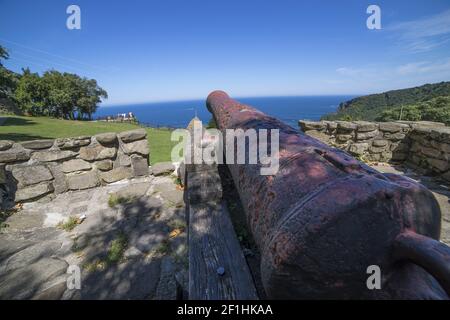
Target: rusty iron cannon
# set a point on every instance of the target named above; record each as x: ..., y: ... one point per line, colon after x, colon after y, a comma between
x: 325, y: 217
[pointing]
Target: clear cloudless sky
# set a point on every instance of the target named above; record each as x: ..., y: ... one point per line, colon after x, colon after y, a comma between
x: 158, y: 50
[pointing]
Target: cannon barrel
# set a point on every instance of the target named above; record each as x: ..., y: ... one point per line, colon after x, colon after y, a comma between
x: 324, y: 218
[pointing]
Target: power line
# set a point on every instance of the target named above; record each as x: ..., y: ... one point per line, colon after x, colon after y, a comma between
x: 55, y: 55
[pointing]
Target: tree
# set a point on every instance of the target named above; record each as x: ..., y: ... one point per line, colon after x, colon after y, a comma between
x: 56, y: 94
x: 3, y: 55
x: 8, y: 79
x: 8, y: 83
x: 91, y: 95
x: 31, y: 94
x: 69, y: 94
x: 436, y: 109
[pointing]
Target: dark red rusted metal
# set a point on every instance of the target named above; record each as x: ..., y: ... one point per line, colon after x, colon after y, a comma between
x: 324, y: 217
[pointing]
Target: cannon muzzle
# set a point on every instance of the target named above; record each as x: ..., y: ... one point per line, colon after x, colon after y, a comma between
x: 323, y: 218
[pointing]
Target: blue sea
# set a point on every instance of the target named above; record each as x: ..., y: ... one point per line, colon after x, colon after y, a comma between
x: 178, y: 114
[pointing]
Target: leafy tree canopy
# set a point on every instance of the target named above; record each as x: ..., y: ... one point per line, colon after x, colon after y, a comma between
x: 56, y: 94
x: 436, y: 109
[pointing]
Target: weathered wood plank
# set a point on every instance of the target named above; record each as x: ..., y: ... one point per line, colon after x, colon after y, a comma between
x: 213, y: 245
x: 203, y: 185
x: 212, y: 241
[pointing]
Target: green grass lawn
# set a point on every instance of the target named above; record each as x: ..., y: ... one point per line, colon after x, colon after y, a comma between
x: 18, y: 128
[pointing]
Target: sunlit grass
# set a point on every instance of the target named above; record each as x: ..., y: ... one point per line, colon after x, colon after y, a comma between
x: 20, y: 128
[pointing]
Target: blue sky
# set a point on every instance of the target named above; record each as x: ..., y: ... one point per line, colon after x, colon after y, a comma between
x: 143, y: 51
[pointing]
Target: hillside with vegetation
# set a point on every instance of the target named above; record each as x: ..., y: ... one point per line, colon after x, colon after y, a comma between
x: 430, y: 102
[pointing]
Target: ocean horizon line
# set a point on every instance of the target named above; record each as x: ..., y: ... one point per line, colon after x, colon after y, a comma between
x: 236, y: 98
x: 288, y: 109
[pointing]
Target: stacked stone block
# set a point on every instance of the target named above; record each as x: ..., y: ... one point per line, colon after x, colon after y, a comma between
x: 430, y: 150
x: 425, y: 146
x: 33, y: 169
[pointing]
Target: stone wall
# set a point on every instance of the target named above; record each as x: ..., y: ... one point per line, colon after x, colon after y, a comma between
x: 424, y: 146
x: 33, y: 169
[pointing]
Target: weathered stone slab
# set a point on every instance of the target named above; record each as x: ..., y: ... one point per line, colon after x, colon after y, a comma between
x: 53, y: 155
x: 174, y: 197
x: 444, y: 147
x: 22, y: 283
x: 139, y: 166
x: 14, y: 154
x: 379, y: 143
x: 29, y: 255
x: 440, y: 165
x: 139, y: 147
x: 358, y: 148
x: 430, y: 124
x: 373, y: 149
x: 83, y: 181
x: 386, y: 156
x: 392, y: 126
x: 394, y: 136
x: 162, y: 168
x: 331, y: 126
x: 71, y: 143
x: 29, y: 175
x: 38, y: 144
x: 116, y: 174
x: 342, y: 138
x: 311, y: 125
x: 33, y: 192
x: 76, y: 165
x: 97, y: 152
x: 431, y: 152
x: 135, y: 190
x: 164, y: 186
x: 441, y: 134
x: 106, y: 138
x: 59, y: 182
x: 346, y: 126
x: 133, y: 135
x: 104, y: 165
x: 366, y: 135
x: 366, y: 126
x: 421, y: 129
x: 122, y: 160
x: 53, y: 290
x: 5, y: 144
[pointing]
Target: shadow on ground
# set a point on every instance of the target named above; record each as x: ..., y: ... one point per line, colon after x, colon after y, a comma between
x: 130, y: 256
